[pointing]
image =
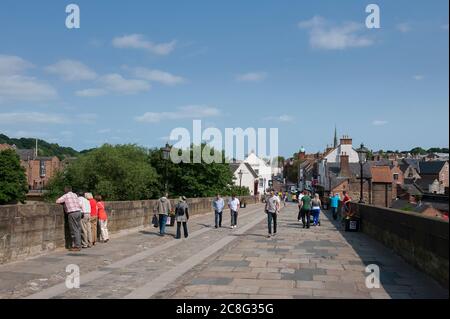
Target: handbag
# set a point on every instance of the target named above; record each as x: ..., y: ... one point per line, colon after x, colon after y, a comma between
x: 168, y: 220
x: 155, y: 221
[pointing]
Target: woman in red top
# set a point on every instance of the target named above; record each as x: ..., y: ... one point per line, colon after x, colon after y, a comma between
x: 94, y: 217
x: 103, y: 219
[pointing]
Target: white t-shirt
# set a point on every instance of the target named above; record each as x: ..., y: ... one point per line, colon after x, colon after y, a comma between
x: 272, y: 204
x: 234, y: 204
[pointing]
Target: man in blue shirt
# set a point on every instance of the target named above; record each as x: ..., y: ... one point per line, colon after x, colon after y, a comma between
x: 334, y: 204
x: 218, y: 206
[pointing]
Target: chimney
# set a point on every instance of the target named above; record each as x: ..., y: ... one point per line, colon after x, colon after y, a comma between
x: 302, y: 153
x: 344, y: 165
x: 346, y: 140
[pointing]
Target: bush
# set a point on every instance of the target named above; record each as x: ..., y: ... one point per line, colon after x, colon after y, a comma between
x: 13, y: 181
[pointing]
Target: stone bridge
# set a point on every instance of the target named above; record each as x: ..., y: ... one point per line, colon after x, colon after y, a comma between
x: 411, y: 252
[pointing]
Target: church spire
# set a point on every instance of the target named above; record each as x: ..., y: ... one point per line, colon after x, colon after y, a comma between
x: 335, y: 137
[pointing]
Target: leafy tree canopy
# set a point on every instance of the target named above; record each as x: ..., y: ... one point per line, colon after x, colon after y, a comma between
x: 120, y: 172
x: 13, y: 182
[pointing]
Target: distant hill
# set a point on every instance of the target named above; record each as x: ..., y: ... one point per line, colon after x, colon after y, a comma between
x: 44, y: 148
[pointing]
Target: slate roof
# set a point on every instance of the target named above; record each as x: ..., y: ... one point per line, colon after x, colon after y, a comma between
x: 25, y: 154
x: 431, y: 167
x: 234, y: 167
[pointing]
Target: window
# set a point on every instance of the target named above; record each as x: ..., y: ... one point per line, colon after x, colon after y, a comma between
x: 395, y: 177
x: 42, y: 168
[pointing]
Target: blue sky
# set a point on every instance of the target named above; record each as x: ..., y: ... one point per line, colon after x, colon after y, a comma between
x: 137, y: 69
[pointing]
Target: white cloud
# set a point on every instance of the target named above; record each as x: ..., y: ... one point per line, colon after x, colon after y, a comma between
x: 403, y: 27
x: 70, y: 70
x: 12, y: 65
x: 15, y: 85
x: 157, y: 76
x: 19, y: 87
x: 418, y: 77
x: 91, y: 92
x: 118, y: 84
x: 31, y: 118
x: 379, y: 122
x: 137, y: 41
x: 104, y: 131
x: 185, y: 112
x: 322, y: 35
x: 282, y: 118
x: 87, y: 118
x: 251, y: 77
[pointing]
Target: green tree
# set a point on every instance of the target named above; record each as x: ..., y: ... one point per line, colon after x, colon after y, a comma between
x: 418, y: 151
x: 13, y: 182
x: 120, y: 172
x: 193, y: 179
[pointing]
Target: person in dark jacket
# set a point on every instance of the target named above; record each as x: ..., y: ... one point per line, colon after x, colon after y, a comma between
x: 181, y: 217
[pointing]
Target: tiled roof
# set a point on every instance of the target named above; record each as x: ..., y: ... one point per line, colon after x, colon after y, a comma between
x: 381, y: 174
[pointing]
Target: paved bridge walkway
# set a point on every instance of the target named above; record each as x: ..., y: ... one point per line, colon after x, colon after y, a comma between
x: 321, y: 262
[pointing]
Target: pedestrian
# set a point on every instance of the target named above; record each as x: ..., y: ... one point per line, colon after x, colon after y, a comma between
x: 102, y: 219
x: 345, y: 204
x: 73, y: 210
x: 300, y: 196
x: 233, y: 204
x: 272, y: 209
x: 181, y: 217
x: 163, y: 208
x: 94, y: 217
x: 305, y: 209
x: 86, y: 231
x: 316, y: 206
x: 218, y: 206
x: 334, y: 204
x: 284, y: 199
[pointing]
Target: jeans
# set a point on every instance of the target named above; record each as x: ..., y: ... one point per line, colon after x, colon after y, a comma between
x: 162, y: 223
x: 316, y: 214
x: 334, y: 211
x: 234, y: 216
x: 272, y: 217
x: 75, y: 228
x: 306, y: 213
x: 218, y: 218
x: 185, y: 229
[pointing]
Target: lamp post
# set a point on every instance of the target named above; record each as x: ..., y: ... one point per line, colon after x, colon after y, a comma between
x: 240, y: 173
x: 166, y: 155
x: 362, y: 156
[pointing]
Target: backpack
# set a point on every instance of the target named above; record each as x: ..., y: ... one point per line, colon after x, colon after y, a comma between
x: 179, y: 210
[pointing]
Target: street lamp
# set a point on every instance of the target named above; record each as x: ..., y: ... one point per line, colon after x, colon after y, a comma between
x: 240, y: 173
x: 362, y: 156
x: 166, y: 154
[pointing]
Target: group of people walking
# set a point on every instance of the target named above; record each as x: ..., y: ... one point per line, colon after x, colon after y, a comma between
x: 87, y: 218
x: 163, y: 210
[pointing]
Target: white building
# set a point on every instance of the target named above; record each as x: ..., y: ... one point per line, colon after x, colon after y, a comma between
x: 262, y: 170
x: 245, y: 176
x: 344, y: 148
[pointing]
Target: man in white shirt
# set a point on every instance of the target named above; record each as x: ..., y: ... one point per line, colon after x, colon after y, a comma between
x: 234, y: 204
x: 86, y: 234
x: 273, y: 206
